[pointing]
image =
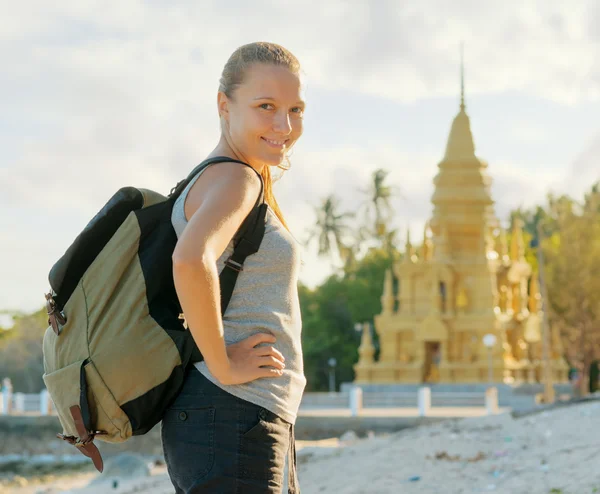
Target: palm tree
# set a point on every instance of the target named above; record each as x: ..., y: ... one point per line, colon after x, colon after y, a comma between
x: 389, y: 241
x: 377, y: 207
x: 331, y: 230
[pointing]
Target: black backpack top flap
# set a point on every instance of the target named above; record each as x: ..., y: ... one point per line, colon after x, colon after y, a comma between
x: 68, y: 270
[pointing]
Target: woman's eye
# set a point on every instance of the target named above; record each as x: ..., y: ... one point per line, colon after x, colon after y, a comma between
x: 265, y: 105
x: 297, y: 109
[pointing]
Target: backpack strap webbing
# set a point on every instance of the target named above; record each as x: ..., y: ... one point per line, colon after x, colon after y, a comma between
x: 248, y: 244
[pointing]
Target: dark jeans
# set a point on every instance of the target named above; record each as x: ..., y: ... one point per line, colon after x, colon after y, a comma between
x: 217, y: 443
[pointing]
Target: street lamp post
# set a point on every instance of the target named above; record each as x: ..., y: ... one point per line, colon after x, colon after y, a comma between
x: 491, y: 394
x: 332, y: 363
x: 489, y: 340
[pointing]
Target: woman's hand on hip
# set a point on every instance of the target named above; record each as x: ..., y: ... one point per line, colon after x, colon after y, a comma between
x: 248, y: 362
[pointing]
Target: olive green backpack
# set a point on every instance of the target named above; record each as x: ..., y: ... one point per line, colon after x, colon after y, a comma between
x: 117, y: 348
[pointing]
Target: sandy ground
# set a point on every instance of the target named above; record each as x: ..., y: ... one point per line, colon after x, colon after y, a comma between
x: 555, y: 452
x: 550, y: 452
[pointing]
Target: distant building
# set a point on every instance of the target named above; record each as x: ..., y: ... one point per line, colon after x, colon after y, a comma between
x: 462, y: 285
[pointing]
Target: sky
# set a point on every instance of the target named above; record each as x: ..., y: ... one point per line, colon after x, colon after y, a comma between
x: 95, y: 98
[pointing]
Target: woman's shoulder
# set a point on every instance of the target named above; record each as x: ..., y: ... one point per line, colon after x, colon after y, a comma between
x: 227, y: 181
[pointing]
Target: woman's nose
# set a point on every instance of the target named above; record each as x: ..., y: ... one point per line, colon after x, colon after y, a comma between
x: 282, y: 123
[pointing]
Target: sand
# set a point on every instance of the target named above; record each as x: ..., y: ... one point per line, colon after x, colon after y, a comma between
x: 550, y: 452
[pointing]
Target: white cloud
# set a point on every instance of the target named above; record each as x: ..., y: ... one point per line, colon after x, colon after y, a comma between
x: 95, y: 98
x: 411, y: 51
x: 517, y: 185
x: 528, y: 133
x: 401, y: 51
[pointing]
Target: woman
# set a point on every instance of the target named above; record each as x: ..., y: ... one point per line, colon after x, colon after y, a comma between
x: 232, y: 426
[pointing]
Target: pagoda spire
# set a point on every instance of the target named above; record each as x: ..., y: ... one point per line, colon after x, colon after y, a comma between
x: 517, y: 247
x: 503, y: 246
x: 534, y: 295
x: 427, y: 244
x: 461, y: 177
x: 408, y: 253
x: 387, y: 299
x: 366, y: 350
x: 462, y: 79
x: 460, y: 144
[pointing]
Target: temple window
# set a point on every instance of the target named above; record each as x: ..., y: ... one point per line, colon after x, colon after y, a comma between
x: 443, y: 296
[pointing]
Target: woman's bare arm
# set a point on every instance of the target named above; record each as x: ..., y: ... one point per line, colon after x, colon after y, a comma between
x: 219, y: 202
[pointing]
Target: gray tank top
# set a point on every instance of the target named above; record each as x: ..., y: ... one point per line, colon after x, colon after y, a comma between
x: 265, y: 299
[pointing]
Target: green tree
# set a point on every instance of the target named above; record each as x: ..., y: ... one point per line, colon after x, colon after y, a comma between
x: 331, y: 231
x: 573, y: 271
x: 329, y: 313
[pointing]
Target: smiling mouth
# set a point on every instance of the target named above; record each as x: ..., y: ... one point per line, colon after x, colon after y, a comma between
x: 275, y: 143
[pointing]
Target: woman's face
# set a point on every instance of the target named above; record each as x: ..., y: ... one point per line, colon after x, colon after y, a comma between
x: 265, y: 114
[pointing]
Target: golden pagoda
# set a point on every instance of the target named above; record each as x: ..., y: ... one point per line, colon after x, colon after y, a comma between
x: 462, y: 285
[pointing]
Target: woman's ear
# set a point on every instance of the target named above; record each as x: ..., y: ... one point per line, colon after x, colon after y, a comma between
x: 223, y: 105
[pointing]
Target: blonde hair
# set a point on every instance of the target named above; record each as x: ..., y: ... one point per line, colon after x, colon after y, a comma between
x: 233, y: 76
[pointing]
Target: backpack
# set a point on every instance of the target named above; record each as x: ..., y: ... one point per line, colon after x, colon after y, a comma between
x: 116, y: 349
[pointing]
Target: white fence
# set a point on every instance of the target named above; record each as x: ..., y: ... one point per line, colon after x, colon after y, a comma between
x: 393, y: 399
x: 26, y: 404
x: 355, y: 399
x: 422, y: 399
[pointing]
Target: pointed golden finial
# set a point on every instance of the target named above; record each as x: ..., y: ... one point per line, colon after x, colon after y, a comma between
x: 503, y: 245
x: 534, y: 295
x: 387, y: 299
x: 462, y: 78
x: 366, y: 350
x: 460, y: 144
x: 427, y: 245
x: 517, y: 245
x: 408, y: 251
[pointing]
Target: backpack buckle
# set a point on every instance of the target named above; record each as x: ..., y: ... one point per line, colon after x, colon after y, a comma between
x: 236, y: 266
x: 182, y: 318
x: 85, y: 442
x: 175, y: 188
x: 56, y: 318
x: 78, y: 442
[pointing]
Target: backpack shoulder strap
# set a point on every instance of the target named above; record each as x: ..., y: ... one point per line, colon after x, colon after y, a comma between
x: 248, y: 244
x: 181, y: 185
